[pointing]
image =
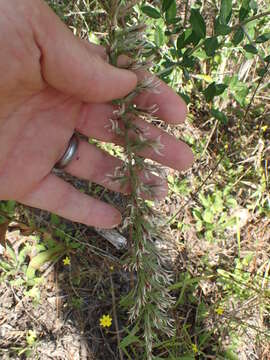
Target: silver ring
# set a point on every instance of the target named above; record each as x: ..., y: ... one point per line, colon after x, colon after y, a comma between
x: 69, y: 153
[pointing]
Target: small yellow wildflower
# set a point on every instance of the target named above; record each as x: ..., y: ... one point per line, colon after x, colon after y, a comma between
x: 105, y: 321
x: 111, y: 268
x: 219, y: 310
x: 66, y: 261
x: 226, y: 146
x: 195, y: 348
x: 264, y: 128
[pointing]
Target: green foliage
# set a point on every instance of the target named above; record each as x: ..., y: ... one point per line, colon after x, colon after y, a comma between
x: 197, y: 23
x: 221, y: 29
x: 7, y: 209
x: 238, y: 36
x: 191, y: 44
x: 47, y: 255
x: 225, y: 11
x: 166, y: 4
x: 236, y: 283
x: 151, y: 11
x: 214, y: 90
x: 170, y: 13
x: 31, y: 337
x: 238, y: 89
x: 212, y: 219
x: 251, y: 49
x: 219, y: 115
x: 211, y: 45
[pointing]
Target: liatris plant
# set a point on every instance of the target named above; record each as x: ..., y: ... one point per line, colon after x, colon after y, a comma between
x: 150, y: 296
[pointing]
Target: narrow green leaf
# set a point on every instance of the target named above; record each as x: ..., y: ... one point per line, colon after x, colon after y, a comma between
x: 219, y: 115
x: 11, y: 253
x: 253, y: 5
x: 23, y: 253
x: 151, y: 11
x: 198, y: 24
x: 204, y: 200
x: 230, y: 355
x: 243, y: 13
x: 166, y: 4
x: 213, y: 90
x: 225, y: 11
x: 180, y: 41
x: 188, y: 62
x: 210, y: 92
x: 3, y: 219
x: 221, y: 29
x: 186, y: 74
x: 209, y: 235
x: 5, y: 265
x: 220, y: 88
x: 17, y: 282
x: 55, y: 220
x: 185, y: 97
x: 45, y: 256
x: 238, y: 36
x: 263, y: 38
x: 171, y: 12
x: 30, y: 273
x: 128, y: 340
x: 197, y: 214
x: 10, y: 207
x: 159, y: 37
x: 194, y: 38
x: 239, y: 90
x: 184, y: 39
x: 211, y: 45
x: 208, y: 216
x: 187, y: 357
x: 261, y: 72
x: 251, y: 49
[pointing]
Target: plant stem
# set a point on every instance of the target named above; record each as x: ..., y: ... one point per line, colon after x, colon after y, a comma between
x: 115, y: 319
x: 255, y: 17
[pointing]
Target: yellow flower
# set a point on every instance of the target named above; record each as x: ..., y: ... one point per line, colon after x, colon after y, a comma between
x: 194, y: 348
x: 111, y: 268
x: 264, y: 128
x: 219, y: 311
x: 66, y: 261
x: 105, y: 321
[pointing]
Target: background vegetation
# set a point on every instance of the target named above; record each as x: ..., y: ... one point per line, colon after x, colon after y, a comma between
x: 58, y: 279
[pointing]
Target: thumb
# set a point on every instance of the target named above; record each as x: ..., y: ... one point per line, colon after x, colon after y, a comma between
x: 72, y: 67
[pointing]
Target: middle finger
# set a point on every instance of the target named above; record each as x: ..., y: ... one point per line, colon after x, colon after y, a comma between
x: 95, y: 122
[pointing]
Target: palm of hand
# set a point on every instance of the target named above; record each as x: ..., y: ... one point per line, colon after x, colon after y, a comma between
x: 34, y: 137
x: 46, y: 94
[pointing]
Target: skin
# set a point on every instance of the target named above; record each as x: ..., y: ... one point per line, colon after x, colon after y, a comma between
x: 53, y: 84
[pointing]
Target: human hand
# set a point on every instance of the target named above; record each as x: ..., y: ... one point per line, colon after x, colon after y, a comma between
x: 53, y: 84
